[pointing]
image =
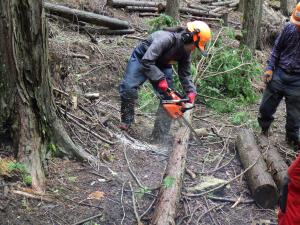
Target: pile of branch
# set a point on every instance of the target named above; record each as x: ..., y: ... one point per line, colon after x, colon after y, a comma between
x: 102, y: 24
x: 205, y: 9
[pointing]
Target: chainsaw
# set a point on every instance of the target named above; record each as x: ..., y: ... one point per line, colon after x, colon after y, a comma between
x: 175, y: 107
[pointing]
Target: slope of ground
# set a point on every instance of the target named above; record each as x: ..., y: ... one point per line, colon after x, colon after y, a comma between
x: 132, y: 165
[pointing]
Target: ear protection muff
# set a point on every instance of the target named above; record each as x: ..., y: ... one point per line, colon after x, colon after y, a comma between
x: 187, y: 37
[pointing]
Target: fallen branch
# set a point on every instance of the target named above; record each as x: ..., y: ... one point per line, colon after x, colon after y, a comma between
x: 28, y: 195
x: 88, y: 219
x: 79, y: 15
x: 130, y: 170
x: 134, y: 206
x: 86, y: 128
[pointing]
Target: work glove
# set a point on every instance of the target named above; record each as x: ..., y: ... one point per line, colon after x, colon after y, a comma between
x: 191, y: 96
x: 163, y: 85
x: 267, y: 77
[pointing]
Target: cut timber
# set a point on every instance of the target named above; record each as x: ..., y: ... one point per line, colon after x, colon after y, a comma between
x: 196, y: 12
x: 275, y: 163
x: 79, y: 15
x: 200, y: 7
x: 148, y: 14
x: 263, y: 188
x: 165, y: 209
x: 124, y: 3
x: 141, y: 9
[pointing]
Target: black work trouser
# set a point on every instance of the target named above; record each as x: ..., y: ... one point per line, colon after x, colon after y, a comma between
x: 272, y: 96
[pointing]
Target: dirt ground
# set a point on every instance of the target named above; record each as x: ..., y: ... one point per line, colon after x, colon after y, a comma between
x: 132, y: 166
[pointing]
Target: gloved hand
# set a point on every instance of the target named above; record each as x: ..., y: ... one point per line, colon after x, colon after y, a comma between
x: 163, y: 85
x: 267, y: 77
x: 191, y: 96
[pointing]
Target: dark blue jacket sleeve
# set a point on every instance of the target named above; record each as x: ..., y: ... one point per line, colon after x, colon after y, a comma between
x: 276, y: 51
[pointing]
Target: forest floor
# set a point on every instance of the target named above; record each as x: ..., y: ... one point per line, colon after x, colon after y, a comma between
x: 76, y: 191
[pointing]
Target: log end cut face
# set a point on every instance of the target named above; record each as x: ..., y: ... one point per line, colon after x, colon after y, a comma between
x: 266, y: 196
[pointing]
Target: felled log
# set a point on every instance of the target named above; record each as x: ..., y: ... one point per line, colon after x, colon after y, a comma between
x: 104, y: 31
x: 200, y: 7
x: 223, y: 3
x: 141, y: 9
x: 260, y: 182
x: 79, y: 15
x: 196, y: 12
x: 124, y: 3
x: 275, y: 163
x: 165, y: 209
x: 148, y: 14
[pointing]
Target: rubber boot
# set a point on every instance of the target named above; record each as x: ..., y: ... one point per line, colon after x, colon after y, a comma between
x: 127, y: 113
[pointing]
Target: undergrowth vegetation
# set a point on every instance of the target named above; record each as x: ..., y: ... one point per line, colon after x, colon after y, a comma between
x: 224, y: 78
x: 11, y: 169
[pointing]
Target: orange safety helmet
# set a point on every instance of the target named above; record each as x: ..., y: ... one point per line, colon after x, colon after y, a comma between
x: 295, y: 17
x: 201, y: 34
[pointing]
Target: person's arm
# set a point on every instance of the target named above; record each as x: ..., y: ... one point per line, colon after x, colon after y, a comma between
x: 185, y: 77
x: 276, y: 51
x: 157, y: 47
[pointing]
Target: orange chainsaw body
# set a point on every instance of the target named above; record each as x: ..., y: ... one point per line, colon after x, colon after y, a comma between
x: 176, y: 108
x: 173, y: 110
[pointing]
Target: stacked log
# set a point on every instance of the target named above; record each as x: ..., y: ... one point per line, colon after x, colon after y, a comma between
x: 207, y: 8
x: 108, y: 25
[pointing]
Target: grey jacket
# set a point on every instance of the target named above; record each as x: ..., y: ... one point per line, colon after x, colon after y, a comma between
x: 162, y: 49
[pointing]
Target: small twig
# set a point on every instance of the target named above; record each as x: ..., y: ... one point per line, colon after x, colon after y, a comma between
x: 212, y: 208
x: 124, y: 213
x: 209, y: 211
x: 88, y: 219
x: 231, y: 200
x: 148, y: 209
x: 87, y: 129
x: 134, y: 206
x: 226, y: 71
x: 130, y: 170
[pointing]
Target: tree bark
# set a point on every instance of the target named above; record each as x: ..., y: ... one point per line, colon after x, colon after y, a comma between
x: 262, y: 186
x: 172, y: 9
x: 79, y: 15
x: 165, y: 209
x: 241, y: 5
x: 196, y: 12
x: 251, y: 23
x: 287, y: 6
x: 27, y: 109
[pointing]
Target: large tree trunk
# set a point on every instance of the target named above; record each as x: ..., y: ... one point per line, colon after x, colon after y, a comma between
x: 27, y: 109
x: 263, y: 188
x: 287, y: 6
x: 172, y: 9
x: 251, y: 23
x: 241, y: 5
x: 165, y: 209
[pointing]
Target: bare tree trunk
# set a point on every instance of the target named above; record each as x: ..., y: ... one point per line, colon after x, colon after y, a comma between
x: 251, y: 23
x: 27, y: 109
x: 172, y: 8
x: 287, y: 6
